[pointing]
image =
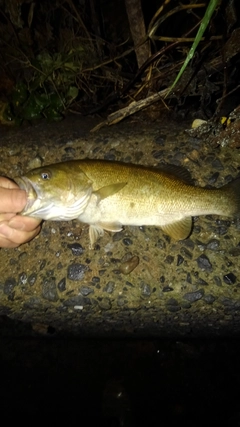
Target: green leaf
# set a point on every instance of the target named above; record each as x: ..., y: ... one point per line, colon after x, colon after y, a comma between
x: 72, y: 92
x: 20, y: 94
x: 32, y: 110
x: 52, y: 115
x: 205, y: 21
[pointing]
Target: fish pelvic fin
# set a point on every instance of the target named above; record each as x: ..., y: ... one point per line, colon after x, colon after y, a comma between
x: 179, y: 230
x: 109, y: 190
x: 97, y: 230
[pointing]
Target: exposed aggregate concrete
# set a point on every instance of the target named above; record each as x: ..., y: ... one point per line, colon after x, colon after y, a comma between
x: 137, y: 281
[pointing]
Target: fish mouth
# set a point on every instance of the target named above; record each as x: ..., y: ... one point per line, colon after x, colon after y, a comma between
x: 25, y: 184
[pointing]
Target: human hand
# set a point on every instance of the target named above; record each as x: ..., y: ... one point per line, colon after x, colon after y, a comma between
x: 14, y: 229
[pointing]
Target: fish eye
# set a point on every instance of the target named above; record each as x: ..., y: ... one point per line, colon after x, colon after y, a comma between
x: 45, y: 175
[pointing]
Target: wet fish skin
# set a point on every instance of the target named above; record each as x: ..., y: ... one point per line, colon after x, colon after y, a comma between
x: 108, y: 195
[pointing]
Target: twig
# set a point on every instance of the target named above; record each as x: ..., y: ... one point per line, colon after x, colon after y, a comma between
x: 132, y: 108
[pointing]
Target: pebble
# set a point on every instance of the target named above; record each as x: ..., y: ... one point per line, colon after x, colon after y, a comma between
x: 129, y: 265
x: 217, y: 281
x: 35, y: 163
x: 127, y: 241
x: 222, y: 230
x: 213, y: 178
x: 197, y: 229
x: 62, y: 285
x: 49, y: 290
x: 161, y: 244
x: 173, y: 308
x: 160, y: 139
x: 121, y: 301
x: 109, y: 288
x: 76, y: 271
x: 109, y: 156
x: 101, y: 272
x: 158, y: 154
x: 173, y: 305
x: 186, y: 253
x: 216, y: 164
x: 169, y: 259
x: 42, y: 265
x: 167, y: 289
x: 202, y: 282
x: 189, y: 244
x: 78, y: 300
x: 118, y: 236
x: 204, y: 263
x: 146, y: 289
x: 209, y: 298
x: 105, y: 304
x: 76, y: 249
x: 186, y: 305
x: 229, y: 303
x: 33, y: 302
x: 32, y: 279
x: 223, y: 222
x: 22, y: 278
x: 129, y: 284
x: 9, y: 286
x: 85, y: 290
x: 228, y: 179
x: 180, y: 260
x: 194, y: 296
x: 235, y: 251
x: 213, y: 244
x: 71, y: 151
x: 229, y: 279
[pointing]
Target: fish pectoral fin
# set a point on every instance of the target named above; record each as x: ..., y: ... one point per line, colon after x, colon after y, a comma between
x: 179, y: 230
x: 109, y: 190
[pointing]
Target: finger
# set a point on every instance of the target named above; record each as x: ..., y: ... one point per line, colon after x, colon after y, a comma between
x: 24, y: 223
x: 12, y: 200
x: 5, y: 243
x: 10, y: 237
x: 7, y: 183
x: 6, y: 216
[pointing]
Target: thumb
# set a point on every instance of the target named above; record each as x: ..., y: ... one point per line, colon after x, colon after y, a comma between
x: 12, y: 200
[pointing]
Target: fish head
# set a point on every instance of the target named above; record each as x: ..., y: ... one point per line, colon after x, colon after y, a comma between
x: 55, y: 192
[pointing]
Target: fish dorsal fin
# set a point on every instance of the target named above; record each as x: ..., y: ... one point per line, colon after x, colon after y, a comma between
x: 179, y: 230
x: 109, y: 190
x: 178, y: 171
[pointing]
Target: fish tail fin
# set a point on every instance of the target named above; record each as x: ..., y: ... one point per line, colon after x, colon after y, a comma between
x: 232, y: 190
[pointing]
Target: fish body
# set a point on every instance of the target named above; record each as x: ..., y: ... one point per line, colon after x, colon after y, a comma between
x: 108, y: 195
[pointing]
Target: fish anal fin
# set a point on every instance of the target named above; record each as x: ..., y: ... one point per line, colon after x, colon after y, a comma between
x: 111, y: 226
x: 109, y: 190
x: 179, y: 230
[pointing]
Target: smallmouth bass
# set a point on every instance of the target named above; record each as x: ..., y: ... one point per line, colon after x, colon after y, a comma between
x: 108, y: 195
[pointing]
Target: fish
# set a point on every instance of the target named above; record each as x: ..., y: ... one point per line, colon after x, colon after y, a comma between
x: 109, y: 195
